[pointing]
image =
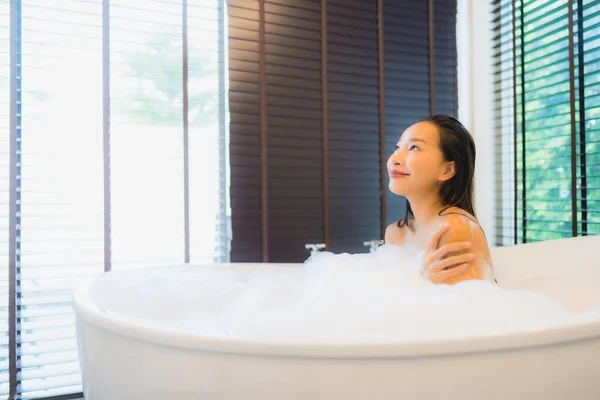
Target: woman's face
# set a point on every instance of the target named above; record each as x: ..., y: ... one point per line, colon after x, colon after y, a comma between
x: 418, y: 166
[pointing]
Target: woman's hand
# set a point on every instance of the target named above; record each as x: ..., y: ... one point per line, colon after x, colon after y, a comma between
x: 438, y: 265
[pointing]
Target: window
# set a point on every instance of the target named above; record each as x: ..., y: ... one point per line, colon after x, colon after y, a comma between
x: 547, y: 105
x: 119, y: 161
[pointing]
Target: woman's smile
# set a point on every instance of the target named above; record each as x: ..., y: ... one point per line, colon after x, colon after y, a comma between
x: 395, y: 174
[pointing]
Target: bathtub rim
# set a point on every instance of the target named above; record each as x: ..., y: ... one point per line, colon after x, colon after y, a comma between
x: 88, y: 312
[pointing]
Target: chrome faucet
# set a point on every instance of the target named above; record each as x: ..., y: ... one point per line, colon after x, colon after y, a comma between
x: 373, y: 245
x: 315, y: 247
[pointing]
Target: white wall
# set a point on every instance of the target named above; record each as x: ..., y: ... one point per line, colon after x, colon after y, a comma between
x: 475, y: 100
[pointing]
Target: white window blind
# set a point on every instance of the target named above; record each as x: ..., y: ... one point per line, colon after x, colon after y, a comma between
x: 208, y: 131
x: 146, y: 138
x: 4, y: 174
x: 61, y: 184
x: 166, y: 126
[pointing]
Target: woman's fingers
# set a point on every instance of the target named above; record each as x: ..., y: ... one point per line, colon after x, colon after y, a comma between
x: 438, y: 265
x: 435, y: 238
x: 442, y: 276
x: 448, y: 248
x: 452, y: 261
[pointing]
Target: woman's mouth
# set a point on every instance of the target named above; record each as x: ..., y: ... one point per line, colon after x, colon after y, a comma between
x: 397, y: 174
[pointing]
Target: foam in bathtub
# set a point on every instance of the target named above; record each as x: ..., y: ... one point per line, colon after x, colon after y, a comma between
x: 333, y: 298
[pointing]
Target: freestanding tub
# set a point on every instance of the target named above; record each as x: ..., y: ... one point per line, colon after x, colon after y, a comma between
x: 125, y: 360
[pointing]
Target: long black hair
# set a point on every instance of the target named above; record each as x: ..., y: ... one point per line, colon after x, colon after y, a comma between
x: 456, y: 144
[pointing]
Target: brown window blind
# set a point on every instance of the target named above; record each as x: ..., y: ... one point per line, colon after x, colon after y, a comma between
x: 312, y: 83
x: 444, y: 57
x: 409, y: 65
x: 353, y: 124
x: 293, y: 127
x: 245, y: 130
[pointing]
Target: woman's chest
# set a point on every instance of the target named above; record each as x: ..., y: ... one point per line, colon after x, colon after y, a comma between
x: 417, y: 237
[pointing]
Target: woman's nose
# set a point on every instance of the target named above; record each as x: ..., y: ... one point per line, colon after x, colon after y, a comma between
x: 396, y: 158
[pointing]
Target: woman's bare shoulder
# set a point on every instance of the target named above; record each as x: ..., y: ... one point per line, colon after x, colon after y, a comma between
x: 394, y: 234
x: 463, y: 227
x: 458, y: 215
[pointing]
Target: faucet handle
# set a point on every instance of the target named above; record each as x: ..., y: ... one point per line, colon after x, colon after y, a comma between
x: 373, y: 244
x: 315, y: 247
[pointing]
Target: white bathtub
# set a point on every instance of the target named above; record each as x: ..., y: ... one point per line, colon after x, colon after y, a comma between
x: 125, y: 360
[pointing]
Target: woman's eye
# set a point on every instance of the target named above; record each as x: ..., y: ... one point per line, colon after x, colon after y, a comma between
x: 396, y: 148
x: 413, y: 147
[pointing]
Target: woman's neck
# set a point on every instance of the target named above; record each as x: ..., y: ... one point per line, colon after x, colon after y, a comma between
x: 425, y: 209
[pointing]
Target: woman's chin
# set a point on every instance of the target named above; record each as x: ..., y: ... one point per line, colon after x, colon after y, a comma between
x: 397, y: 189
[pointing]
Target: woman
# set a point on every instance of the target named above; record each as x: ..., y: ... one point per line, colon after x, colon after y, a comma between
x: 433, y: 167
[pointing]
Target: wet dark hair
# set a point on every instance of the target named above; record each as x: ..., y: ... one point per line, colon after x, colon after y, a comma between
x: 456, y: 144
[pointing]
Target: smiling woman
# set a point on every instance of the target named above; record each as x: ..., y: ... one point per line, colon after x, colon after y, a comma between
x: 433, y: 167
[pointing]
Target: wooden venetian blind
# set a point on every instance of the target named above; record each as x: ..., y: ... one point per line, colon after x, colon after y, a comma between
x: 319, y: 93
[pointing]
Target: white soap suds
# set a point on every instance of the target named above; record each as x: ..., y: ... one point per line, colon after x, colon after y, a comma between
x: 333, y: 298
